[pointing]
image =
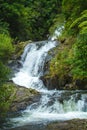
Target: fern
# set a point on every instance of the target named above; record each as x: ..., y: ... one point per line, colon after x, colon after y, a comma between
x: 78, y: 21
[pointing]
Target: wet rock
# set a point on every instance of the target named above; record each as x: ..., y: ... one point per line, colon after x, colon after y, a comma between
x: 56, y: 82
x: 31, y: 126
x: 23, y: 97
x: 51, y: 53
x: 15, y: 62
x: 66, y: 83
x: 82, y: 84
x: 75, y: 124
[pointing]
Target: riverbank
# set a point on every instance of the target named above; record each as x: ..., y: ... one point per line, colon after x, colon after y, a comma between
x: 75, y: 124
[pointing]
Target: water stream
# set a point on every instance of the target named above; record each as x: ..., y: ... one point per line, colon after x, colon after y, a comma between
x: 53, y: 104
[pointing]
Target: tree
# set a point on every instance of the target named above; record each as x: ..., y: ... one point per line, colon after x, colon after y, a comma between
x: 29, y: 19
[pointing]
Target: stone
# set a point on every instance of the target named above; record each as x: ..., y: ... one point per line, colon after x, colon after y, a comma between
x: 22, y: 98
x: 75, y: 124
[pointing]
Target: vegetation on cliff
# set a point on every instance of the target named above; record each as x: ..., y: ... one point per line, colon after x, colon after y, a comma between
x: 6, y: 50
x: 71, y: 58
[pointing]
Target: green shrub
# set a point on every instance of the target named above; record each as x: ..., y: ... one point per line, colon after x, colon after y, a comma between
x: 6, y: 91
x: 59, y: 65
x: 6, y: 48
x: 79, y: 61
x: 4, y: 73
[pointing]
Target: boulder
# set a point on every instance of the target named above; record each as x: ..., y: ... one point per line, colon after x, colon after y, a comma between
x: 56, y: 82
x: 75, y: 124
x: 22, y: 97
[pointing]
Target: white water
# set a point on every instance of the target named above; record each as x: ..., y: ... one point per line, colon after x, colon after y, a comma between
x: 54, y: 104
x: 33, y: 60
x: 57, y: 32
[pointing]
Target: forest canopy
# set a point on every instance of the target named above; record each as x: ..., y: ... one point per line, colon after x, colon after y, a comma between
x: 28, y: 19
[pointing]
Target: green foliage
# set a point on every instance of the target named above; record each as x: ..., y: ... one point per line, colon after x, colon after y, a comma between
x: 29, y: 19
x: 41, y: 15
x: 16, y: 16
x: 72, y: 10
x: 59, y: 65
x: 79, y: 61
x: 5, y: 98
x: 4, y: 73
x: 4, y: 28
x: 80, y: 24
x: 72, y: 60
x: 6, y: 48
x: 58, y: 21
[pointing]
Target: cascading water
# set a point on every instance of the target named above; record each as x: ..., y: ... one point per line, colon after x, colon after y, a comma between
x: 33, y: 60
x: 53, y: 104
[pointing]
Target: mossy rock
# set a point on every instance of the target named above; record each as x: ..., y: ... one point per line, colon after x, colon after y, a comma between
x: 23, y: 93
x: 21, y: 97
x: 18, y: 98
x: 75, y: 124
x: 6, y: 97
x: 20, y: 48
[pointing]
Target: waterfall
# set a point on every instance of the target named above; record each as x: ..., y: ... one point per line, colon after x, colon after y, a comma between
x: 53, y: 104
x: 33, y: 60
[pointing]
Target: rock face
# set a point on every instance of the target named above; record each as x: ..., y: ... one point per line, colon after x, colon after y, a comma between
x: 57, y: 83
x: 22, y: 98
x: 81, y: 84
x: 64, y: 84
x: 15, y: 62
x: 67, y: 81
x: 75, y: 124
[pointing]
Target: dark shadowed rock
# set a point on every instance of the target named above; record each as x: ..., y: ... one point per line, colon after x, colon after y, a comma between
x: 66, y: 83
x: 56, y: 82
x: 81, y: 83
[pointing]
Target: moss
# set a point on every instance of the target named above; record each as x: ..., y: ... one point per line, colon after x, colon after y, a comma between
x: 12, y: 95
x: 6, y: 97
x: 22, y: 93
x: 21, y: 97
x: 20, y: 48
x: 75, y: 124
x: 62, y: 66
